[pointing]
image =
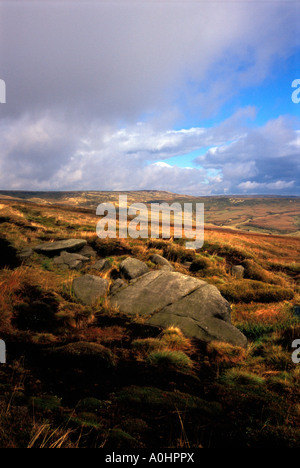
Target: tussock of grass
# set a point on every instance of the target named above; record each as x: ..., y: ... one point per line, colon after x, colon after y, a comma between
x: 118, y: 439
x: 85, y: 420
x: 200, y: 264
x: 74, y: 315
x: 281, y: 382
x: 83, y: 354
x: 144, y: 346
x: 171, y: 340
x: 171, y: 251
x: 155, y: 398
x: 109, y: 247
x: 259, y: 320
x: 225, y: 353
x: 254, y: 271
x: 166, y: 359
x: 46, y: 402
x: 254, y: 291
x: 90, y: 404
x: 232, y: 253
x: 236, y: 376
x: 274, y: 356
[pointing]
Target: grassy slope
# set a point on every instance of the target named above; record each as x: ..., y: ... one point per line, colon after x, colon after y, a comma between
x: 82, y: 376
x: 273, y: 215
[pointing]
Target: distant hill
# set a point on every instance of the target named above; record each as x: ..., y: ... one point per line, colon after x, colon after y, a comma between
x: 263, y: 214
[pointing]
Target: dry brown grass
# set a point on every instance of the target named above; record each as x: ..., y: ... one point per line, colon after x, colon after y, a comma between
x: 45, y: 436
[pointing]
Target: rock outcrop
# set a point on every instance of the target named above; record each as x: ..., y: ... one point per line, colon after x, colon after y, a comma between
x: 165, y: 298
x: 54, y: 248
x: 162, y: 297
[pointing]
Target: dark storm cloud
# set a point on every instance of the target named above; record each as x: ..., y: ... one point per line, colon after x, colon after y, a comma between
x: 122, y: 59
x: 109, y: 60
x: 95, y: 88
x: 260, y: 160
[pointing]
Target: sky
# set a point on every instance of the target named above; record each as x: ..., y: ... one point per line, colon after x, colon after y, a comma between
x: 192, y: 97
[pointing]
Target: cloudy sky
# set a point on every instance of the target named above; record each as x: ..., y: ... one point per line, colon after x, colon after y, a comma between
x: 192, y: 97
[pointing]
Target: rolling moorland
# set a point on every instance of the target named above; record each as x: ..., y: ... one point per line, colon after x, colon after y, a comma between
x: 88, y: 376
x: 271, y: 215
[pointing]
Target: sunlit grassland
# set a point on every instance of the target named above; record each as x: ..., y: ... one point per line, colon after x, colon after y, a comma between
x: 146, y: 387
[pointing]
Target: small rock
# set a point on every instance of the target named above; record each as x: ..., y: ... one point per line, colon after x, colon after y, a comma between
x: 117, y: 284
x: 132, y: 268
x: 89, y: 288
x: 75, y: 265
x: 71, y: 260
x: 88, y: 251
x: 101, y: 265
x: 238, y: 271
x: 162, y: 262
x: 25, y: 253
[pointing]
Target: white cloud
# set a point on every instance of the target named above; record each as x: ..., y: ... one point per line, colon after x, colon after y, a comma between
x: 278, y: 185
x: 48, y: 153
x: 161, y: 164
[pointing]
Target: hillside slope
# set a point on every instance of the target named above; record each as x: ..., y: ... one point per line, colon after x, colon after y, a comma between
x: 272, y: 215
x: 88, y: 376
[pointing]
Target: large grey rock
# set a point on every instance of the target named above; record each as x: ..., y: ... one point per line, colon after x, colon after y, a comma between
x: 131, y: 268
x: 166, y: 298
x: 70, y: 260
x: 162, y: 262
x: 89, y: 288
x: 53, y: 248
x: 153, y: 291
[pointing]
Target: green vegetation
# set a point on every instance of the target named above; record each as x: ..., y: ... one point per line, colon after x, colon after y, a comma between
x: 166, y: 359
